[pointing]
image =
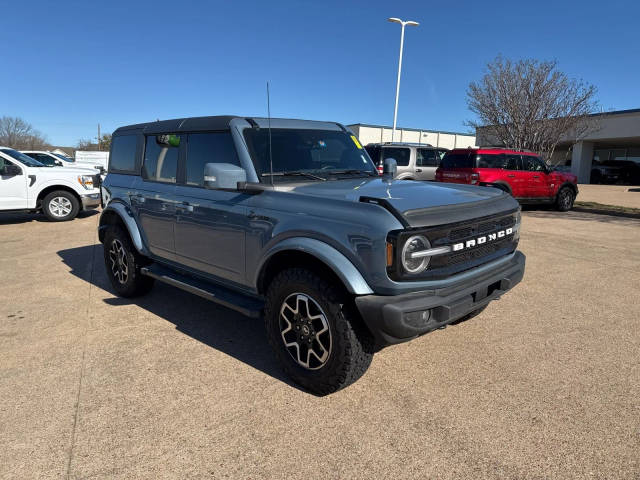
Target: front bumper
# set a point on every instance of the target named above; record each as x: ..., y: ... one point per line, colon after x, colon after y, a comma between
x: 399, y: 318
x: 90, y: 200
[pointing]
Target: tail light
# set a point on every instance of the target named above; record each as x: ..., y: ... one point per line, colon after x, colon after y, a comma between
x: 438, y: 175
x: 474, y: 178
x: 380, y: 168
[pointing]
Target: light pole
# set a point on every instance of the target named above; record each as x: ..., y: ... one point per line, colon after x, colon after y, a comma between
x: 395, y: 110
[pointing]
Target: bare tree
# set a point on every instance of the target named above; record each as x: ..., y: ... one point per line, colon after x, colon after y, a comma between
x: 104, y: 143
x: 19, y: 134
x: 530, y: 105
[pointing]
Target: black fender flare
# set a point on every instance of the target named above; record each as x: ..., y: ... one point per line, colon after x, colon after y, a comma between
x: 124, y: 214
x: 567, y: 184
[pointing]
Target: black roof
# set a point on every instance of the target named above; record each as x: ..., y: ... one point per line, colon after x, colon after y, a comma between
x: 191, y: 124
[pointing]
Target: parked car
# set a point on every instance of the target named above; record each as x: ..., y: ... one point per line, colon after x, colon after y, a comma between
x: 522, y: 174
x: 615, y: 171
x: 416, y: 161
x: 60, y: 193
x: 51, y: 159
x: 288, y: 219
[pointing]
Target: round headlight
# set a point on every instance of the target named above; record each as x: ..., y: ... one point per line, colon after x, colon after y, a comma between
x: 415, y: 244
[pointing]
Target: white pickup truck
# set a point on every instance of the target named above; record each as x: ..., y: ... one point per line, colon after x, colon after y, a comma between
x: 52, y: 159
x: 59, y: 192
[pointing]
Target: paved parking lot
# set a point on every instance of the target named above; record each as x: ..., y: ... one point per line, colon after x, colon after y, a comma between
x: 544, y: 384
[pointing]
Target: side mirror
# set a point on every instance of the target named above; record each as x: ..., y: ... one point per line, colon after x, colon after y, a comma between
x: 11, y: 170
x: 58, y: 163
x: 390, y: 167
x: 223, y: 175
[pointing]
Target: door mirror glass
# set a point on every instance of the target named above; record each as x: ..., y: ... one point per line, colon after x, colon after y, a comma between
x: 223, y: 175
x: 11, y: 170
x: 390, y: 167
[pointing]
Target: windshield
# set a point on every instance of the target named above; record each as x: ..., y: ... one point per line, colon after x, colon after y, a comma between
x: 28, y: 161
x: 321, y: 152
x: 63, y: 157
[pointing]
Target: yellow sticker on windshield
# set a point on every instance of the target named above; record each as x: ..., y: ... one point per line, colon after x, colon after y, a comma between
x: 355, y: 140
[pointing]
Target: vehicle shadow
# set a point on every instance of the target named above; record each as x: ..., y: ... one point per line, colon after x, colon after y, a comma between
x: 583, y: 215
x: 9, y: 218
x: 240, y: 337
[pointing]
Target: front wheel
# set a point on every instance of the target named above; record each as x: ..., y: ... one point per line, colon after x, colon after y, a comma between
x: 315, y: 334
x: 123, y: 264
x: 60, y: 206
x: 565, y: 199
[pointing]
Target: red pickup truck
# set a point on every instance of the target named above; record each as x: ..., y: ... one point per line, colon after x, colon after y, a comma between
x: 522, y: 174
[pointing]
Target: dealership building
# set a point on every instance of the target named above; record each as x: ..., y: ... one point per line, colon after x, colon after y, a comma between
x: 382, y: 133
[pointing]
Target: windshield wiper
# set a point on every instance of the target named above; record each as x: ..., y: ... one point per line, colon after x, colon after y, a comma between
x: 293, y: 174
x: 352, y: 171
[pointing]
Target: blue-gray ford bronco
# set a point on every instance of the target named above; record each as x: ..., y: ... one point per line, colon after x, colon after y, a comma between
x: 289, y: 220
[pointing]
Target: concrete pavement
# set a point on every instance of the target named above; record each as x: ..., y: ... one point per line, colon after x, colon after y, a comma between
x: 544, y: 384
x: 621, y: 195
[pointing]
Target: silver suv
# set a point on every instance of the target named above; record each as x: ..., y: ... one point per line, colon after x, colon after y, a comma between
x: 416, y: 161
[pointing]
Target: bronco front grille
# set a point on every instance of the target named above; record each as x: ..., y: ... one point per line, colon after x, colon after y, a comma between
x: 444, y: 265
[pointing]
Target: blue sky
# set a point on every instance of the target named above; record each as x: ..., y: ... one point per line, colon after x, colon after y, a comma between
x: 69, y: 65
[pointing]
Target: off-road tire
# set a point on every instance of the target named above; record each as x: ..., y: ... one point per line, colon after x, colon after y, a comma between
x: 352, y: 346
x: 55, y: 204
x: 135, y: 283
x: 565, y: 199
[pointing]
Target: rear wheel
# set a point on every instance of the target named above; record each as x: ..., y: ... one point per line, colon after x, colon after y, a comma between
x: 123, y: 264
x: 565, y: 199
x: 60, y: 206
x: 315, y: 334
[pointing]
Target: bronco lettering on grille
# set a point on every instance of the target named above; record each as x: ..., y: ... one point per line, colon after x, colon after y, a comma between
x: 456, y: 247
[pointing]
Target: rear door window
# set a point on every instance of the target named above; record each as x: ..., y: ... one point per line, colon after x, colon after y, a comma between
x: 458, y: 160
x: 512, y: 162
x: 491, y: 161
x: 400, y: 155
x: 161, y: 158
x: 427, y: 158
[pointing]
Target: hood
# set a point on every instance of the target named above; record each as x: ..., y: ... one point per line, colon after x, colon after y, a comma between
x: 414, y: 203
x: 73, y: 170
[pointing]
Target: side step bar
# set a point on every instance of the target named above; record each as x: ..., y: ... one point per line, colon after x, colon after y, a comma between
x: 251, y: 307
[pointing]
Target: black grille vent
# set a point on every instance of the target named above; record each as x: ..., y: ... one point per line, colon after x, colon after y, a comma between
x: 442, y: 261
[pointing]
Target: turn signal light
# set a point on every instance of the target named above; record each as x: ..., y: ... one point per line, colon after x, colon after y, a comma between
x: 389, y: 254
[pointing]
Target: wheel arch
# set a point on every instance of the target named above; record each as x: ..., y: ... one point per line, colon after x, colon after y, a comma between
x: 117, y: 213
x: 53, y: 188
x: 573, y: 188
x: 504, y: 186
x: 314, y: 255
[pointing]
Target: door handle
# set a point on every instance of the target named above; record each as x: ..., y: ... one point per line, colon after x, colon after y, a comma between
x: 185, y: 207
x: 511, y: 175
x: 418, y: 170
x: 536, y: 176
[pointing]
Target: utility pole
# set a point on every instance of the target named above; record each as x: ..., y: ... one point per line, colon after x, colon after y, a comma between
x: 99, y: 137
